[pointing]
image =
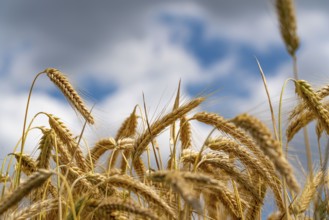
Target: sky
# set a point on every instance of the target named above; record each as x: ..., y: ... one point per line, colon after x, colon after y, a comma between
x: 115, y: 51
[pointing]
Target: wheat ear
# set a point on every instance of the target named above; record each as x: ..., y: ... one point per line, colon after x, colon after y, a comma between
x: 69, y: 92
x: 28, y: 164
x: 212, y: 162
x: 100, y: 148
x: 34, y: 181
x: 103, y: 209
x: 66, y: 137
x: 288, y: 24
x: 179, y: 185
x: 218, y: 188
x: 127, y: 129
x: 127, y: 182
x: 45, y: 147
x: 271, y: 147
x: 299, y: 109
x: 303, y: 201
x: 185, y: 133
x: 162, y: 123
x: 255, y: 206
x: 229, y: 128
x: 34, y: 210
x: 305, y: 91
x: 233, y: 148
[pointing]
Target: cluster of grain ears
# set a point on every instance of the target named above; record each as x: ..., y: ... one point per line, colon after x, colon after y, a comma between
x: 228, y: 177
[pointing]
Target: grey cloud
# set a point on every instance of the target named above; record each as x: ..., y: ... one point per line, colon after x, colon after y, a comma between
x: 68, y: 34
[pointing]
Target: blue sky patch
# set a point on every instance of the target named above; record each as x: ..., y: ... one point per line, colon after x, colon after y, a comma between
x: 191, y: 34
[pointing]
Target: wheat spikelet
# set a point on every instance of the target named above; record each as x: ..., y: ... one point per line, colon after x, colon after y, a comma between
x: 66, y: 137
x: 139, y: 167
x: 288, y: 24
x: 45, y: 147
x: 303, y: 201
x: 103, y: 209
x: 34, y: 181
x: 28, y: 165
x: 162, y: 123
x: 185, y: 133
x: 271, y: 147
x: 69, y: 92
x: 305, y: 91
